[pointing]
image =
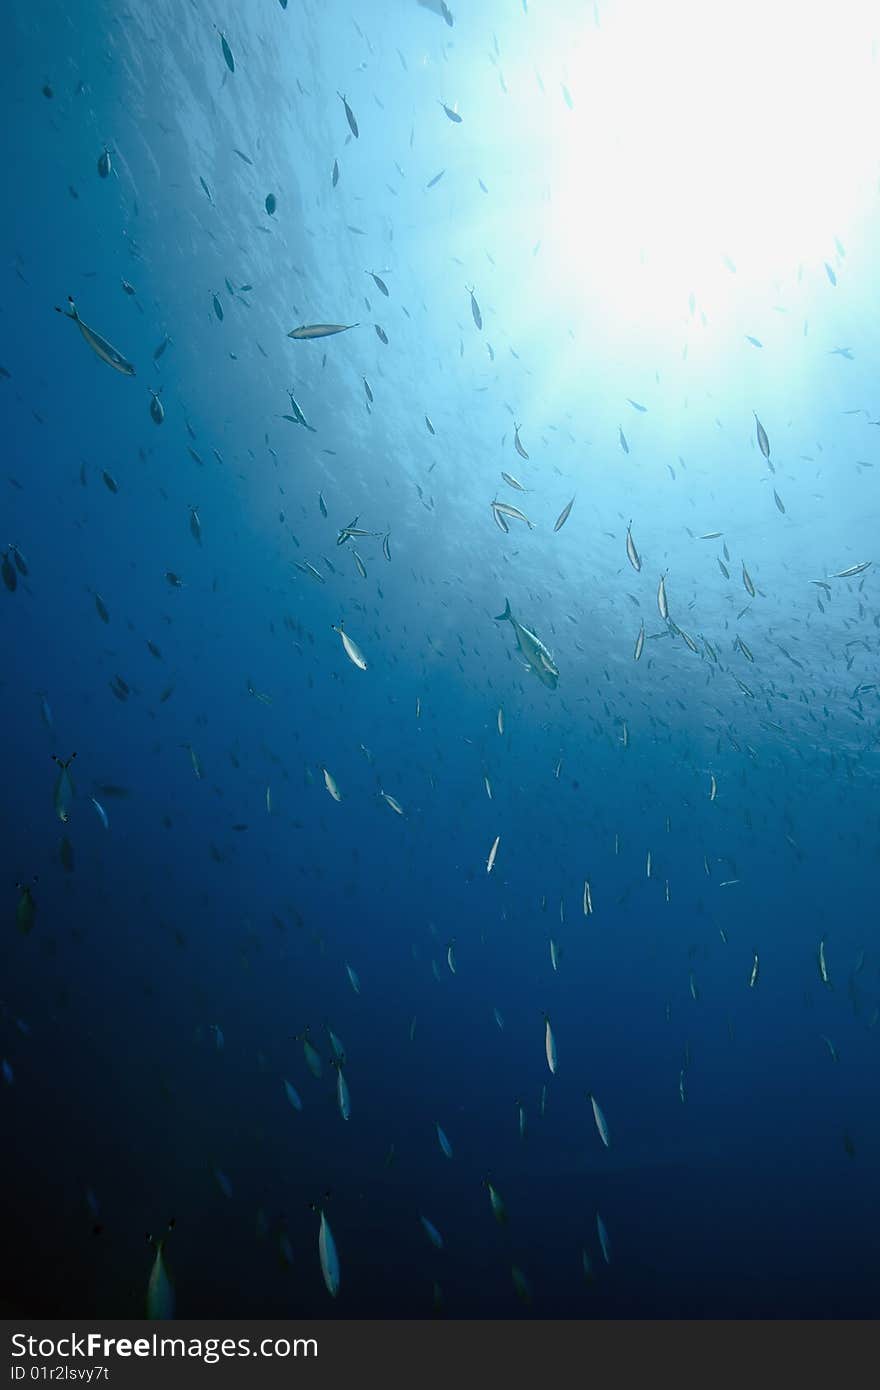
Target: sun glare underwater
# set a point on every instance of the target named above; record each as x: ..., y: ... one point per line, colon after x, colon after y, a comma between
x: 441, y: 617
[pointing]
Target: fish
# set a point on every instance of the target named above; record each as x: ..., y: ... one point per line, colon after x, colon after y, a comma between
x: 753, y: 978
x: 631, y: 553
x: 588, y: 899
x: 330, y: 784
x: 517, y: 442
x: 538, y: 657
x: 622, y: 437
x: 328, y: 1257
x: 227, y: 53
x: 381, y: 334
x: 601, y: 1123
x: 157, y: 410
x: 723, y: 568
x: 495, y: 1200
x: 380, y: 284
x: 490, y: 862
x: 343, y: 1098
x: 432, y: 1233
x: 563, y: 516
x: 443, y: 1141
x: 435, y: 179
x: 102, y: 814
x: 352, y: 650
x: 453, y: 115
x: 26, y: 909
x: 335, y: 175
x: 506, y: 510
x: 319, y: 330
x: 830, y: 273
x: 747, y: 581
x: 160, y: 1291
x: 353, y: 979
x: 271, y: 204
x: 392, y: 802
x: 475, y: 309
x: 853, y: 570
x: 662, y: 603
x: 100, y: 346
x: 430, y: 425
x: 104, y: 166
x: 823, y: 968
x: 780, y: 505
x: 10, y: 578
x: 603, y: 1239
x: 549, y: 1045
x: 763, y: 441
x: 292, y: 1095
x: 512, y: 482
x: 349, y: 116
x: 64, y: 789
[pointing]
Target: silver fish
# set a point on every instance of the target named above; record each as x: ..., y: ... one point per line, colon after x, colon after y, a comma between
x: 533, y: 649
x: 106, y: 351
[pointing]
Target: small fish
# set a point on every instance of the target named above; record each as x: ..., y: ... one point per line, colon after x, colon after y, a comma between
x: 320, y: 330
x: 271, y: 204
x: 292, y: 1095
x: 227, y: 53
x: 443, y: 1141
x: 335, y: 174
x: 662, y: 603
x: 512, y: 482
x: 823, y: 968
x: 430, y: 426
x: 853, y: 570
x: 498, y: 1208
x: 64, y: 789
x: 160, y: 1291
x: 490, y: 862
x: 763, y: 441
x: 475, y: 309
x: 623, y: 444
x: 603, y: 1239
x: 753, y: 978
x: 26, y: 910
x: 830, y: 273
x: 102, y: 814
x: 99, y: 345
x: 640, y: 643
x: 747, y: 581
x: 352, y: 650
x: 105, y: 168
x: 517, y: 442
x: 328, y: 1257
x: 349, y: 116
x: 631, y: 553
x: 453, y: 115
x: 380, y: 284
x: 601, y: 1122
x: 330, y: 784
x: 432, y: 1233
x: 780, y: 505
x: 381, y: 334
x: 353, y: 979
x: 392, y: 802
x: 549, y: 1045
x: 435, y: 179
x: 563, y: 515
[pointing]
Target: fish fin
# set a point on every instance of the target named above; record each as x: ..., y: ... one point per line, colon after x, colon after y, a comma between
x: 506, y: 615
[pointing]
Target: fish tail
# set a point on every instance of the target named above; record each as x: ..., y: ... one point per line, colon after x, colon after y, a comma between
x: 506, y: 615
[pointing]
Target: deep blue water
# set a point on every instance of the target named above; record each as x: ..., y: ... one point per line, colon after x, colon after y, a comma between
x: 740, y: 1180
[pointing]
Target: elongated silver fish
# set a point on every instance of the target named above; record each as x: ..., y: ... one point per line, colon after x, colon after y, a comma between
x: 319, y: 330
x: 106, y: 351
x: 533, y: 649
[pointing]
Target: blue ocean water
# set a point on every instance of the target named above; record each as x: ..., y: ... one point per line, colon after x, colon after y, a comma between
x: 717, y: 794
